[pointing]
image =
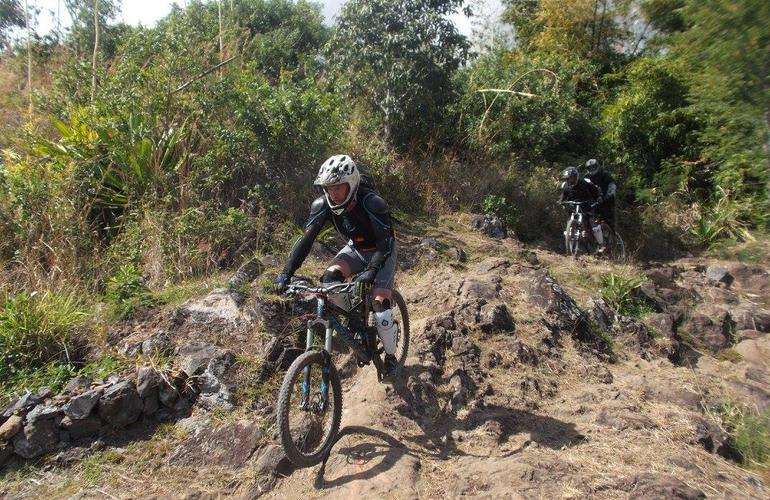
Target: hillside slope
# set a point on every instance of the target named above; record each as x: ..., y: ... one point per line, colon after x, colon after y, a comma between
x: 520, y: 383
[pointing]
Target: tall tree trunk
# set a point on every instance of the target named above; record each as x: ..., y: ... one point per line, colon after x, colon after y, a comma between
x: 96, y: 49
x: 221, y: 48
x: 29, y: 55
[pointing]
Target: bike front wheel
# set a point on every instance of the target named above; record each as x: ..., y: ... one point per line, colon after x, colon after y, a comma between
x: 615, y: 244
x: 309, y: 410
x: 572, y: 238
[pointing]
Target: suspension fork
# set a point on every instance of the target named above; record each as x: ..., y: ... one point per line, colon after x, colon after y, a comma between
x: 326, y: 368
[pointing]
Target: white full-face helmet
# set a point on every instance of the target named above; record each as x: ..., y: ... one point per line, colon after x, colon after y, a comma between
x: 339, y: 169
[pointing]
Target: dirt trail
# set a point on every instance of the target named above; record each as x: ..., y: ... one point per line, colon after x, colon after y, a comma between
x: 540, y: 416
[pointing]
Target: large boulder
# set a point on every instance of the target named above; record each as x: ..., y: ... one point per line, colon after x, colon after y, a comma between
x: 36, y: 438
x: 228, y: 445
x: 120, y: 405
x: 193, y: 359
x: 80, y: 406
x: 11, y: 427
x: 81, y: 428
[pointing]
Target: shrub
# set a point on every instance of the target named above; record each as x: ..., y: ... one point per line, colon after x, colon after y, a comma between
x: 499, y: 206
x: 619, y: 291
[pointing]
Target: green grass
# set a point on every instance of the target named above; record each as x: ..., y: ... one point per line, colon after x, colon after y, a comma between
x: 38, y: 329
x: 749, y: 432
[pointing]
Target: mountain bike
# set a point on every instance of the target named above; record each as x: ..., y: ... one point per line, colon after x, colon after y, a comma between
x: 578, y: 235
x: 310, y: 399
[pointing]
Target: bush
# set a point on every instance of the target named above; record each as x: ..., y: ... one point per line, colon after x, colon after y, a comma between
x: 127, y: 292
x: 499, y: 206
x: 36, y: 329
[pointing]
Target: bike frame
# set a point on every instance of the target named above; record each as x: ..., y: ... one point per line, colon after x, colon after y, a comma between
x: 327, y: 319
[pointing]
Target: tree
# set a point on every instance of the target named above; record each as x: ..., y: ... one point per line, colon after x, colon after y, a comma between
x: 11, y: 16
x: 399, y: 56
x: 87, y: 16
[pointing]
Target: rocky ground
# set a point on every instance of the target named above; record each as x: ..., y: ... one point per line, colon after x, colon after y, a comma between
x: 521, y: 382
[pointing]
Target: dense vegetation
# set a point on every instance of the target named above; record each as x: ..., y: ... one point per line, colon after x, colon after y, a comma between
x: 171, y: 152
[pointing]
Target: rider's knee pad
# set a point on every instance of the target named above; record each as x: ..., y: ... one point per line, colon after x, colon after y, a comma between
x: 332, y: 276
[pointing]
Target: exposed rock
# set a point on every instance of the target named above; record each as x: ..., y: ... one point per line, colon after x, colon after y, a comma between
x: 492, y: 263
x: 714, y: 331
x: 473, y: 288
x: 23, y: 403
x: 623, y: 419
x: 80, y: 406
x: 270, y: 260
x: 221, y: 304
x: 147, y: 379
x: 214, y: 393
x: 228, y: 445
x: 131, y: 349
x: 524, y: 354
x: 120, y: 405
x: 11, y: 427
x: 662, y: 276
x: 495, y: 318
x: 713, y: 439
x: 490, y: 225
x: 458, y: 254
x: 718, y: 274
x: 271, y: 464
x: 651, y: 485
x: 272, y: 460
x: 81, y: 428
x: 151, y: 402
x: 36, y: 438
x: 43, y: 412
x: 462, y: 388
x: 6, y: 452
x: 755, y: 351
x: 195, y: 358
x: 601, y: 314
x: 545, y: 292
x: 750, y: 277
x: 167, y: 394
x: 661, y: 322
x: 158, y: 343
x: 77, y: 384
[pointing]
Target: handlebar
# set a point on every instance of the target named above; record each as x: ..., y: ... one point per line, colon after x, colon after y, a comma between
x: 591, y: 204
x: 299, y: 287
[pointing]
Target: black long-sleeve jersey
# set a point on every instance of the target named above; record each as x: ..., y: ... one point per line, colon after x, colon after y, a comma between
x: 367, y: 224
x: 584, y: 190
x: 604, y: 180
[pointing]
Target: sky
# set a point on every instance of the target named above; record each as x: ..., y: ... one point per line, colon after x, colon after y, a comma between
x: 148, y: 12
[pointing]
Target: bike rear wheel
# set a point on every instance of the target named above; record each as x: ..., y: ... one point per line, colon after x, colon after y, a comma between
x: 307, y: 434
x: 615, y: 244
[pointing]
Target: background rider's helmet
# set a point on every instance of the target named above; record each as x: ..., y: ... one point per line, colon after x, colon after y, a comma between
x: 592, y: 165
x: 338, y: 169
x: 570, y: 176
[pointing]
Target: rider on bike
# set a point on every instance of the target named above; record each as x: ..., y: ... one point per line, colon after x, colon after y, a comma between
x: 581, y: 189
x: 599, y: 175
x: 362, y: 216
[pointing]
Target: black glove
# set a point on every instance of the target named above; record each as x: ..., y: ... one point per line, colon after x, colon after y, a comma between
x: 281, y: 282
x: 364, y: 281
x: 599, y: 200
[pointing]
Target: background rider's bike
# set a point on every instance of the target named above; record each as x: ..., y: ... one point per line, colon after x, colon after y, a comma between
x: 310, y: 400
x: 578, y: 235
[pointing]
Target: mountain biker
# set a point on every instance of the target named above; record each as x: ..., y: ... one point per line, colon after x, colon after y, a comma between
x: 599, y: 175
x: 581, y: 189
x: 362, y: 216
